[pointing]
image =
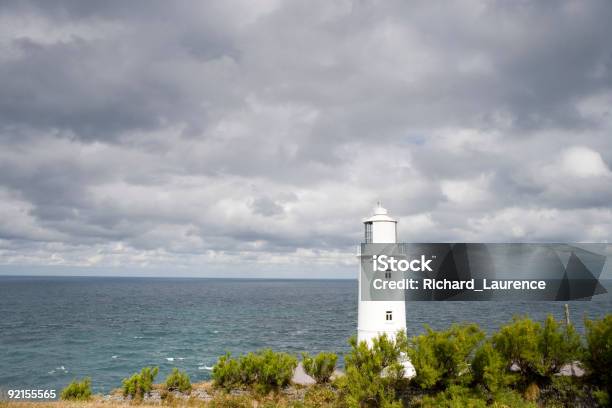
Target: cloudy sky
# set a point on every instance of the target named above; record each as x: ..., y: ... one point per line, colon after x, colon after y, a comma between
x: 250, y: 138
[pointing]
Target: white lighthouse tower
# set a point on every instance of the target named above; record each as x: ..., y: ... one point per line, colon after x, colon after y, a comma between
x: 378, y: 317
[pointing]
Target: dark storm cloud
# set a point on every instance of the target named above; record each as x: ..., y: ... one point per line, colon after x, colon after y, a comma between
x: 137, y: 73
x: 147, y: 133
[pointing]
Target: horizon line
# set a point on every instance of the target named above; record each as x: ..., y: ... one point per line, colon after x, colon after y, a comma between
x: 168, y: 277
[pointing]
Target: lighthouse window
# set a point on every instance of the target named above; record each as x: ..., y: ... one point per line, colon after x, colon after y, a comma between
x: 368, y: 232
x: 389, y: 315
x: 388, y: 275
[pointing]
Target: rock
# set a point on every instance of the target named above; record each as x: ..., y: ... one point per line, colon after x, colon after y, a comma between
x: 113, y: 398
x: 572, y: 370
x: 300, y: 377
x: 153, y: 396
x: 295, y: 393
x: 201, y: 394
x: 238, y: 392
x: 337, y: 374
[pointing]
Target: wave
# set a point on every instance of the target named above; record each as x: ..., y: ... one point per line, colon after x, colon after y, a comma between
x: 61, y: 369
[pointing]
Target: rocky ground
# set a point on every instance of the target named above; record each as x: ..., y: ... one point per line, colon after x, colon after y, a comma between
x: 201, y: 395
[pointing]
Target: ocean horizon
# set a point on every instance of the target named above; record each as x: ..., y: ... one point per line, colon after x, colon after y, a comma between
x: 57, y: 328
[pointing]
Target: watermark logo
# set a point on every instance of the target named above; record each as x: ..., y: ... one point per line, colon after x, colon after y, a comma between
x: 390, y: 263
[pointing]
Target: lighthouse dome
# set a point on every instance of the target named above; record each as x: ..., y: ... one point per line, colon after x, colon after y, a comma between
x: 380, y: 214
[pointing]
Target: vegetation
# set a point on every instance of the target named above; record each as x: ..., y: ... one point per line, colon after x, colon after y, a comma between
x: 227, y: 373
x: 598, y: 357
x: 458, y: 396
x: 374, y: 375
x: 77, y: 390
x: 178, y: 381
x: 537, y: 351
x: 320, y: 367
x: 322, y: 396
x: 454, y: 396
x: 489, y: 369
x: 262, y: 372
x: 517, y: 366
x: 231, y: 401
x: 140, y: 384
x: 442, y: 358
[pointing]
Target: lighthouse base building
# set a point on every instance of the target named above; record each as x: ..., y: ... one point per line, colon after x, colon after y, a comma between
x: 378, y: 317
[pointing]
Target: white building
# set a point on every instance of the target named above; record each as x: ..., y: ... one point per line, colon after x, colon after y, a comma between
x: 378, y: 317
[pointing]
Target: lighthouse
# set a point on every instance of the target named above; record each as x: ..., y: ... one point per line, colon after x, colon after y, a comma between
x: 389, y: 316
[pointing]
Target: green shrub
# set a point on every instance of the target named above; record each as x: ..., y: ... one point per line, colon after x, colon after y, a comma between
x: 518, y: 343
x: 458, y: 396
x: 455, y: 396
x: 267, y: 370
x: 226, y: 373
x: 539, y: 352
x: 320, y: 396
x: 262, y: 371
x: 558, y: 345
x: 602, y: 397
x: 507, y: 398
x: 565, y: 391
x: 374, y: 375
x: 442, y: 357
x: 321, y: 367
x: 598, y: 353
x: 489, y: 368
x: 76, y: 390
x: 178, y: 381
x: 141, y: 383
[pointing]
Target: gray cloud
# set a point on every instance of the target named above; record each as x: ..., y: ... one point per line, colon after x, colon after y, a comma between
x: 206, y: 136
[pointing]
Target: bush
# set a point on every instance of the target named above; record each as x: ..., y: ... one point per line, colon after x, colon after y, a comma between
x: 321, y: 367
x: 226, y: 373
x: 454, y: 396
x: 539, y: 352
x: 374, y: 375
x: 598, y: 353
x: 558, y: 345
x: 263, y: 371
x: 518, y: 343
x: 441, y: 358
x: 141, y: 383
x: 458, y: 396
x: 602, y: 397
x: 267, y: 370
x: 566, y: 392
x: 489, y: 368
x: 79, y: 391
x: 178, y: 381
x: 510, y: 399
x: 319, y: 396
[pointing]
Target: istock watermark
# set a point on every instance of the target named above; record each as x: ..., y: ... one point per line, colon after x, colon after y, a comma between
x: 482, y: 271
x: 386, y: 263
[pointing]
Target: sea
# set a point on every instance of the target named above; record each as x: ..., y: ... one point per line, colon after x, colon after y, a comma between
x: 56, y: 329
